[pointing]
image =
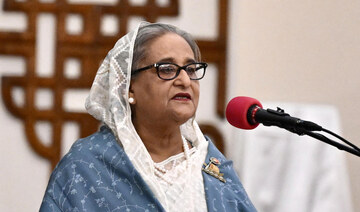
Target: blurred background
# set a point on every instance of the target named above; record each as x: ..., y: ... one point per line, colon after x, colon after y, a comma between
x: 302, y: 56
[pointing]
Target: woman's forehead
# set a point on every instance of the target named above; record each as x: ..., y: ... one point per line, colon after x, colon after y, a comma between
x: 169, y: 47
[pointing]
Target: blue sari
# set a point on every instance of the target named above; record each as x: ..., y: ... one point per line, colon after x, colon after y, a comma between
x: 97, y: 175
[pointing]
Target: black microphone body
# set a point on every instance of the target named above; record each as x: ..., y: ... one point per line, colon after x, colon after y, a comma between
x: 280, y: 119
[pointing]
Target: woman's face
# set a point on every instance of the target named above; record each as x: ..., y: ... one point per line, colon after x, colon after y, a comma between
x: 163, y: 101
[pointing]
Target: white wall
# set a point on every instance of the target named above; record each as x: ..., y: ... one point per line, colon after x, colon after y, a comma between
x: 302, y: 51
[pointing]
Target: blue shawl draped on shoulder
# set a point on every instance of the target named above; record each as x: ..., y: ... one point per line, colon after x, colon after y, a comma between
x: 97, y: 175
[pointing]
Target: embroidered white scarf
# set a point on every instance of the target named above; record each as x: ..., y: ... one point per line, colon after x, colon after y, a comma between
x: 108, y: 102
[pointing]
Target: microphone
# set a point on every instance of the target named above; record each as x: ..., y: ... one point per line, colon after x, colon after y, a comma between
x: 247, y: 113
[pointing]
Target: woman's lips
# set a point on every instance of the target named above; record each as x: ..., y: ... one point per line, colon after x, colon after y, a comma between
x: 182, y: 97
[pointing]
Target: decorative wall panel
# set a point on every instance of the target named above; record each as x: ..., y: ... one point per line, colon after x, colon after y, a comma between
x: 86, y: 46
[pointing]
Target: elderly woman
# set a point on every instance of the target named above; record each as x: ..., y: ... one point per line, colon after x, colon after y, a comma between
x: 150, y: 155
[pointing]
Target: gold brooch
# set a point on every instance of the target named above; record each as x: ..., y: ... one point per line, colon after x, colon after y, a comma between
x: 212, y: 169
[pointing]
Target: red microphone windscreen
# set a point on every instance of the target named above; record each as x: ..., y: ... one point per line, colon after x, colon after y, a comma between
x: 237, y: 109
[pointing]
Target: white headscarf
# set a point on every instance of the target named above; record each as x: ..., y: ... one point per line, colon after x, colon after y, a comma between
x: 108, y: 102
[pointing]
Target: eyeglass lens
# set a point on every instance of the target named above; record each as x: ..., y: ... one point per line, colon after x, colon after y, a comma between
x: 169, y: 71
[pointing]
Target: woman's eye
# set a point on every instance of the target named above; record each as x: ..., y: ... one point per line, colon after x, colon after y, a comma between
x: 190, y: 69
x: 167, y: 69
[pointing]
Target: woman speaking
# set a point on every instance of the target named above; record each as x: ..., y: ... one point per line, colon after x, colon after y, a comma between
x: 150, y: 154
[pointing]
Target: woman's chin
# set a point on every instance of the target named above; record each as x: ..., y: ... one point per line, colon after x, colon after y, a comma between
x: 181, y: 118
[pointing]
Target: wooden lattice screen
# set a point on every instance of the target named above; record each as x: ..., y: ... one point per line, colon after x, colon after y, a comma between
x: 89, y: 47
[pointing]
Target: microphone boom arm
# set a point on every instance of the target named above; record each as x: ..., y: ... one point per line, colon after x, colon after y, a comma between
x: 302, y: 127
x: 338, y: 145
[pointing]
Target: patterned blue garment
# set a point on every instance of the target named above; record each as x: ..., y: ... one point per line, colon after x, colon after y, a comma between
x: 97, y: 175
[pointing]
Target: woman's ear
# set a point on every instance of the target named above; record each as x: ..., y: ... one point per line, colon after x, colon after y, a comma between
x: 131, y: 95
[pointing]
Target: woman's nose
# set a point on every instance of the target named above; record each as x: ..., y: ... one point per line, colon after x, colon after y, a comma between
x: 183, y: 78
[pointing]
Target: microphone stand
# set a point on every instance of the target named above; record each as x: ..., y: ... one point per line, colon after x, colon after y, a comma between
x: 333, y: 143
x: 301, y: 131
x: 302, y: 127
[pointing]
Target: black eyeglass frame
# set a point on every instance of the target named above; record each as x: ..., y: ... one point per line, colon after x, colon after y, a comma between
x: 157, y: 65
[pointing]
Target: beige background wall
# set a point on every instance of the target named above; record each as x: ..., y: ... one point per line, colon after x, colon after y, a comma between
x: 303, y: 51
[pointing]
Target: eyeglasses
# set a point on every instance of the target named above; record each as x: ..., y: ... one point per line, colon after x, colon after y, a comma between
x: 169, y: 71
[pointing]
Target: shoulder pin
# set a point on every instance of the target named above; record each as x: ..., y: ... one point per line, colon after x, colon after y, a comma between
x: 212, y: 169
